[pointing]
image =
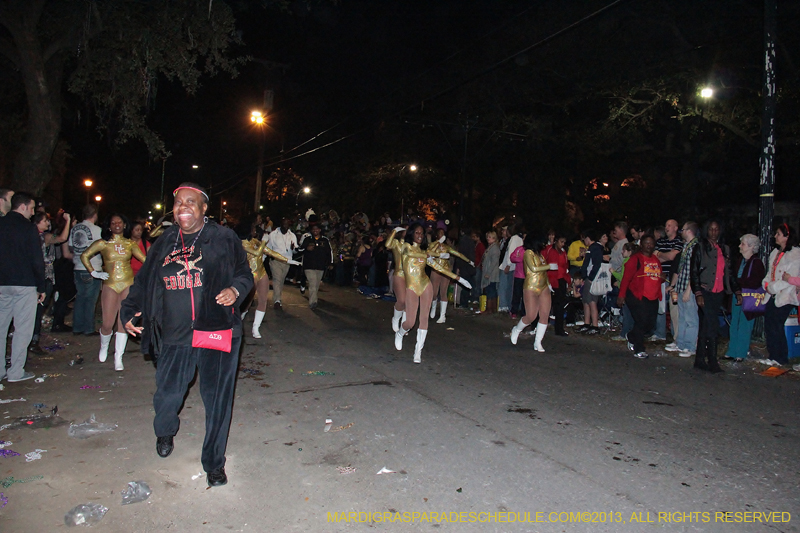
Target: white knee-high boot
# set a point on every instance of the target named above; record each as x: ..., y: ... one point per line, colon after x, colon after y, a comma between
x: 433, y: 309
x: 119, y: 349
x: 396, y: 319
x: 540, y: 331
x: 259, y: 316
x: 105, y: 340
x: 442, y: 313
x: 421, y: 334
x: 398, y: 337
x: 516, y: 330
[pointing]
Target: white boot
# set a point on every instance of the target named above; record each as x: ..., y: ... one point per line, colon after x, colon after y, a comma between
x: 398, y: 337
x: 516, y: 330
x: 119, y: 349
x: 396, y: 319
x: 105, y: 340
x: 442, y: 313
x: 433, y: 309
x: 540, y: 331
x: 421, y: 334
x: 257, y: 324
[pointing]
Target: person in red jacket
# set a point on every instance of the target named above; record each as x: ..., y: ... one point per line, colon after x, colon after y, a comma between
x: 559, y: 278
x: 641, y: 291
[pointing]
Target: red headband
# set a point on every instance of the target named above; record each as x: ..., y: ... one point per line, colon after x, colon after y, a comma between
x: 192, y: 188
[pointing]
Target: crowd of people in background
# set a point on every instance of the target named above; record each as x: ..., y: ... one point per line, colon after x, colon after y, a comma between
x: 671, y: 283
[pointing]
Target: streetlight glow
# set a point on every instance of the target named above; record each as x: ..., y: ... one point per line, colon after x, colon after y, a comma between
x: 98, y: 198
x: 306, y: 190
x: 257, y: 117
x: 707, y: 92
x: 158, y: 206
x: 413, y: 168
x: 195, y: 167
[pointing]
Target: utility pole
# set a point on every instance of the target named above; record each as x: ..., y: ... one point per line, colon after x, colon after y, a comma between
x: 766, y: 210
x: 266, y: 107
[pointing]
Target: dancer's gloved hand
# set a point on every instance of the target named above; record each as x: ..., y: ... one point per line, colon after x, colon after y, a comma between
x: 399, y: 229
x: 444, y: 256
x: 99, y: 275
x: 293, y: 262
x: 443, y: 238
x: 465, y: 283
x: 472, y: 263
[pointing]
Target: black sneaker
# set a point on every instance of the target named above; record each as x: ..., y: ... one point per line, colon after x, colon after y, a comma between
x: 36, y: 349
x: 217, y: 477
x: 592, y: 331
x: 302, y: 289
x: 164, y: 446
x: 60, y: 328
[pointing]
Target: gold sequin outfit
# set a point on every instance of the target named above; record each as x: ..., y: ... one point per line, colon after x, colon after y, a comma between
x: 116, y: 260
x: 396, y: 246
x: 437, y: 247
x: 256, y: 249
x: 535, y: 272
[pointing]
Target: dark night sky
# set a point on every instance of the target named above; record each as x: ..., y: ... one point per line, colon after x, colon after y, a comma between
x: 366, y: 65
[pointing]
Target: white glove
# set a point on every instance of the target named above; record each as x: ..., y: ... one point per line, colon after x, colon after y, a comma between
x: 553, y: 266
x: 443, y: 238
x: 465, y: 283
x: 100, y: 275
x: 293, y: 262
x: 444, y: 256
x: 472, y: 263
x: 397, y: 230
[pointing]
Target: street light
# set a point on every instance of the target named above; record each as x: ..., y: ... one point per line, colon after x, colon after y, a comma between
x: 412, y: 168
x: 98, y: 198
x: 304, y: 190
x: 258, y: 118
x: 707, y: 92
x: 88, y: 184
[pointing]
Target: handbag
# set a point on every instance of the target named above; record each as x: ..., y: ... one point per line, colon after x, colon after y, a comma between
x: 602, y: 282
x: 753, y: 299
x: 219, y: 340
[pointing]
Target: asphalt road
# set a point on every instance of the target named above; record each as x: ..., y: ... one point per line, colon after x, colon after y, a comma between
x: 583, y: 437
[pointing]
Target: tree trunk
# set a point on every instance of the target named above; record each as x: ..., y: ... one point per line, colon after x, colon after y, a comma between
x: 32, y: 169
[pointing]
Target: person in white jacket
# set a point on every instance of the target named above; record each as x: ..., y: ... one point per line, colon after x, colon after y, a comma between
x: 781, y: 295
x: 506, y: 285
x: 283, y: 241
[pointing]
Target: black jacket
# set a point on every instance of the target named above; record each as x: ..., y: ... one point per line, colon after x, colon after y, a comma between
x: 224, y: 265
x: 318, y: 258
x: 21, y: 258
x: 704, y: 268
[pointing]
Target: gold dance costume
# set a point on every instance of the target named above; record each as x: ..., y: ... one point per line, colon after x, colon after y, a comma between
x: 535, y: 272
x: 116, y: 260
x: 414, y: 259
x: 396, y: 247
x: 437, y: 247
x: 256, y: 249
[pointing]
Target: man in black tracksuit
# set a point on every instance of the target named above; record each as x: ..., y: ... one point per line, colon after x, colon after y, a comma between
x: 317, y: 258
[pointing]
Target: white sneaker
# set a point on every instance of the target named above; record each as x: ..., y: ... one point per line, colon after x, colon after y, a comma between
x: 685, y: 353
x: 672, y: 347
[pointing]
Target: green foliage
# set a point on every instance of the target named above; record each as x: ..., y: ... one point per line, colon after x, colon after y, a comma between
x: 127, y: 45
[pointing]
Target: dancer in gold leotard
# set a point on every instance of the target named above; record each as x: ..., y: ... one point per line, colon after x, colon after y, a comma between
x: 441, y: 282
x: 395, y: 244
x: 118, y: 277
x: 419, y: 292
x: 255, y: 255
x: 535, y: 293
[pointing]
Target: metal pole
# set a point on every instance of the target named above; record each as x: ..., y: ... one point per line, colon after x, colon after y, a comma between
x: 766, y: 208
x: 260, y: 172
x: 161, y: 196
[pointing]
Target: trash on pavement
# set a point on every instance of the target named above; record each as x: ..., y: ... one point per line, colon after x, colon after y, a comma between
x: 251, y: 371
x: 86, y: 513
x: 197, y: 476
x: 4, y: 443
x: 84, y: 387
x: 8, y: 453
x: 88, y: 428
x: 340, y: 428
x: 318, y: 373
x: 137, y: 491
x: 39, y: 406
x: 774, y: 372
x: 10, y: 480
x: 34, y: 455
x: 346, y: 469
x: 14, y: 400
x: 768, y: 362
x: 77, y: 361
x: 328, y: 423
x: 385, y: 470
x: 3, y: 500
x: 39, y: 380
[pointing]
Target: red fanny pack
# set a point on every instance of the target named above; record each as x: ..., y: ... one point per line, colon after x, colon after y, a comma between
x: 212, y: 340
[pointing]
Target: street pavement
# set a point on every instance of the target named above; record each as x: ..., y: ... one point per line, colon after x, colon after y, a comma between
x: 481, y: 436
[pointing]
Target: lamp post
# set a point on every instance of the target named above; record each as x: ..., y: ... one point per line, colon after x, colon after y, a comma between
x: 304, y: 190
x: 412, y: 168
x: 258, y: 118
x: 88, y: 184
